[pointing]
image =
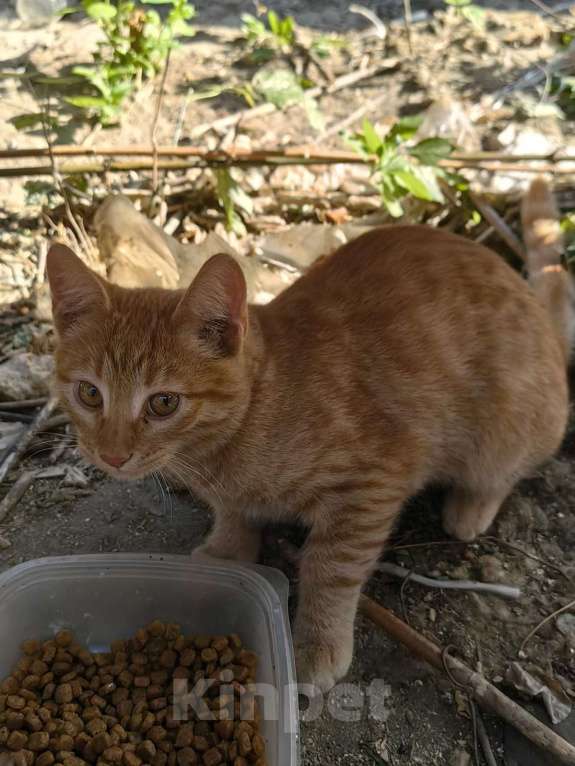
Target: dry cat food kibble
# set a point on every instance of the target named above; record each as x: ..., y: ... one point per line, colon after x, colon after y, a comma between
x: 65, y: 706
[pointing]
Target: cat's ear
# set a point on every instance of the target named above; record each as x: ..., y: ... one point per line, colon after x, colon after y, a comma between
x: 214, y: 306
x: 76, y: 290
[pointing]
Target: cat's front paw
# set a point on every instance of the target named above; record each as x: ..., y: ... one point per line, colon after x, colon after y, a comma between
x: 244, y: 549
x: 322, y: 664
x: 203, y: 553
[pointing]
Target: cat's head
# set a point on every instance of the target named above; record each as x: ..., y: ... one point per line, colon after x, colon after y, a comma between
x: 148, y: 375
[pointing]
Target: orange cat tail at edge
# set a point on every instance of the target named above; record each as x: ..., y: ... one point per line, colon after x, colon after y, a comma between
x: 551, y: 283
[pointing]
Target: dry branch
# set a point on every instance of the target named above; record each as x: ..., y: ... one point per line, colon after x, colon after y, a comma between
x: 206, y: 158
x: 305, y: 151
x: 487, y: 695
x: 21, y: 447
x: 16, y: 491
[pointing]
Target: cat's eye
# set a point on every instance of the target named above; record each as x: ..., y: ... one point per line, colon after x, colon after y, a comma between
x: 89, y: 394
x: 163, y: 404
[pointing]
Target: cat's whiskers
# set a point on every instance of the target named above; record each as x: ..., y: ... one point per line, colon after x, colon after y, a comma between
x: 204, y: 475
x: 166, y: 492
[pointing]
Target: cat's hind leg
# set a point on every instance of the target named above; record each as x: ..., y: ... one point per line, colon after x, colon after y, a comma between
x: 469, y: 513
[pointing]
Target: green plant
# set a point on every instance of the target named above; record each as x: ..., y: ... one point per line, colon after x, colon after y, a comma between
x: 469, y: 11
x: 401, y: 169
x: 568, y: 229
x: 233, y: 199
x: 136, y: 43
x: 271, y: 30
x: 282, y: 87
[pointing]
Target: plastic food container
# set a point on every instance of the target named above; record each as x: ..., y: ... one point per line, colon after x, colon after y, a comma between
x: 107, y: 597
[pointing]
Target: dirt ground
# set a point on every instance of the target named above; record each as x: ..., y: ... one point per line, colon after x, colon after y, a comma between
x: 532, y: 544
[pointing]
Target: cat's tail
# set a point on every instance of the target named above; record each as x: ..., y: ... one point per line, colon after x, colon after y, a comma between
x: 551, y: 282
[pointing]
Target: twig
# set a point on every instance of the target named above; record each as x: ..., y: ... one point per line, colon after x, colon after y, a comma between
x: 408, y: 18
x: 153, y: 134
x: 15, y: 492
x: 485, y: 743
x: 15, y: 417
x: 487, y: 695
x: 546, y: 9
x: 38, y: 424
x: 543, y: 622
x: 103, y: 166
x: 380, y: 29
x: 494, y: 219
x: 486, y: 539
x: 174, y: 150
x: 505, y: 591
x: 352, y: 118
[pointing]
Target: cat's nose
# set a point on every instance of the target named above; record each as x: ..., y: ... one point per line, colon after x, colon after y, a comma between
x: 117, y: 461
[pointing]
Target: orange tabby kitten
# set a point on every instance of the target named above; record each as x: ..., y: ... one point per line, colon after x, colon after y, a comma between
x: 409, y: 356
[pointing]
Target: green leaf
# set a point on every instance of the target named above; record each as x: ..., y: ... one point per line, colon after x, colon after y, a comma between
x: 371, y: 140
x: 278, y: 86
x: 202, y: 95
x: 431, y: 150
x: 458, y: 3
x: 274, y: 22
x: 313, y: 112
x: 157, y: 2
x: 181, y: 28
x: 405, y: 128
x: 475, y: 15
x: 25, y: 121
x: 421, y: 182
x: 87, y: 102
x: 101, y: 11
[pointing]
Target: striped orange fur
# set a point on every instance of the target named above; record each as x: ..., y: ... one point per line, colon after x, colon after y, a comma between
x: 409, y: 356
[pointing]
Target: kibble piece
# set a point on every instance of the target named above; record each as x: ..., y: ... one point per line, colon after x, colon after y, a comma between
x: 160, y: 759
x: 157, y: 734
x: 63, y: 639
x: 31, y: 647
x: 239, y: 761
x: 225, y: 729
x: 185, y: 735
x: 212, y: 757
x: 168, y: 659
x: 131, y: 759
x: 72, y: 760
x: 39, y: 740
x: 63, y: 694
x: 209, y: 655
x: 95, y: 726
x: 101, y: 742
x: 244, y: 743
x: 201, y: 744
x: 146, y: 750
x: 186, y: 757
x: 15, y: 702
x: 17, y: 740
x: 141, y: 682
x: 45, y: 759
x: 258, y: 745
x: 86, y: 657
x: 10, y: 685
x: 113, y: 754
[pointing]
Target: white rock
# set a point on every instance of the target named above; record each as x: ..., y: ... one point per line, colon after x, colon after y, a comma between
x: 26, y: 376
